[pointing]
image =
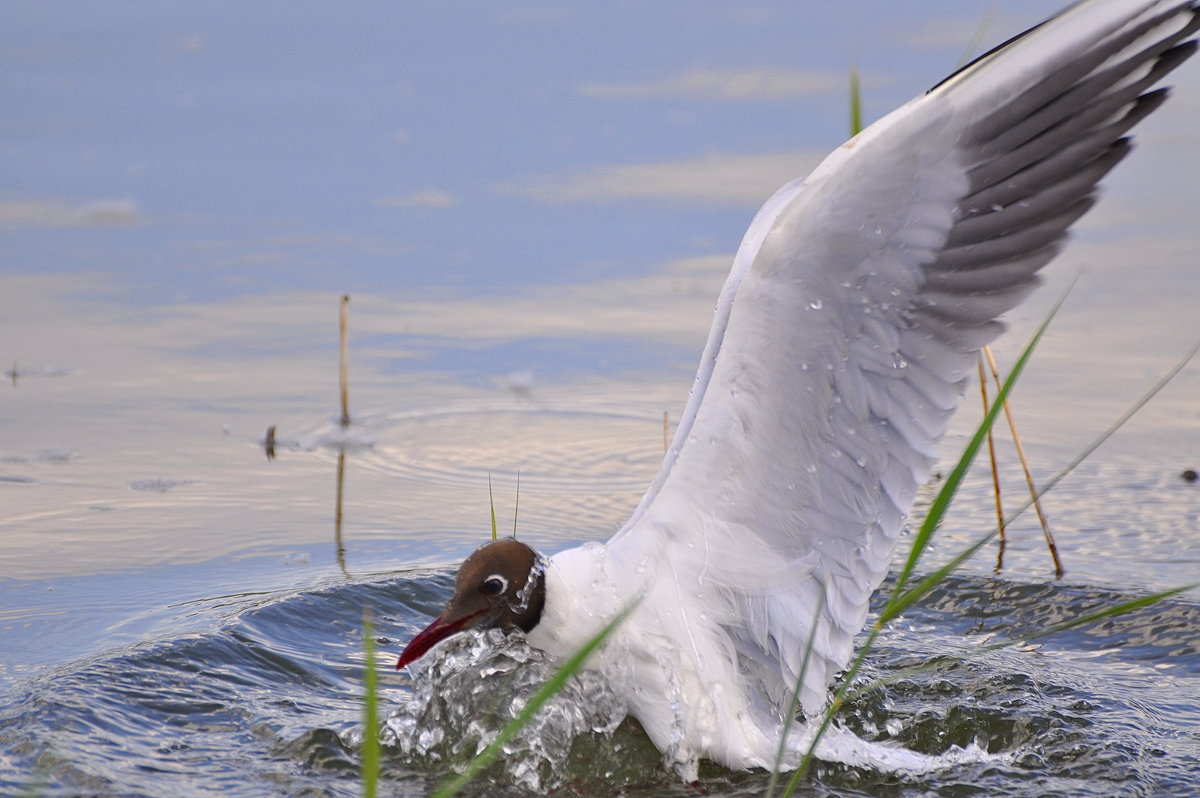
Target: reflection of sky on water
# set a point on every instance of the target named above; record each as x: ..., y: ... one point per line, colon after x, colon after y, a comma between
x: 533, y: 211
x: 233, y: 149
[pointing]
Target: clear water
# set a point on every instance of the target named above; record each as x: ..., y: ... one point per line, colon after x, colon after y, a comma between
x: 530, y: 211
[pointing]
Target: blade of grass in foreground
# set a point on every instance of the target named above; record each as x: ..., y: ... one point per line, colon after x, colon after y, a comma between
x: 492, y: 506
x: 544, y: 694
x: 516, y: 504
x: 1098, y: 615
x: 370, y: 746
x: 855, y: 103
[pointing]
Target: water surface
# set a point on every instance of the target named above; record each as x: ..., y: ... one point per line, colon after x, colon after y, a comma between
x: 532, y: 211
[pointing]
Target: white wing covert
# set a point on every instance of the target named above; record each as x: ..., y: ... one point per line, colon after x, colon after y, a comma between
x: 851, y: 318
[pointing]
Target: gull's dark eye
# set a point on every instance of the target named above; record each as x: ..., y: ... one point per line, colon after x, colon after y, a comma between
x: 494, y: 585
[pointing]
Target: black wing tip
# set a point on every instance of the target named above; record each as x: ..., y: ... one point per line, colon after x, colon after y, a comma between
x: 1177, y: 54
x: 977, y: 59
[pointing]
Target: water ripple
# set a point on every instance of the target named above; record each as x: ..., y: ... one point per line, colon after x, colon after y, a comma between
x: 265, y: 698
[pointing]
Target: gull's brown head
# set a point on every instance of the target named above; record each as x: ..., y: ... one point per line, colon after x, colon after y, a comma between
x: 499, y: 586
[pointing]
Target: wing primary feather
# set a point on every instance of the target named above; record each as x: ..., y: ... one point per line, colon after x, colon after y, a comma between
x: 1001, y: 220
x: 1071, y: 135
x: 1017, y: 243
x: 1060, y: 72
x: 993, y: 277
x: 1043, y: 176
x: 1097, y: 97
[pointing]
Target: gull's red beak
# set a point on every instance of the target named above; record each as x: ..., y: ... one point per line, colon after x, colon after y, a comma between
x: 431, y: 635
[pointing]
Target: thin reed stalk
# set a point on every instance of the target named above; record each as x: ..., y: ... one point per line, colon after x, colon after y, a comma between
x: 1016, y: 436
x: 343, y: 371
x: 991, y: 442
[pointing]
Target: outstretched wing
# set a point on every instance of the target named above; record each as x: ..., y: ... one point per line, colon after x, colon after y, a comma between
x: 851, y: 318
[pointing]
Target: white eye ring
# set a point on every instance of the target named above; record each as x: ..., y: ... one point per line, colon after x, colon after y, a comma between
x: 494, y: 585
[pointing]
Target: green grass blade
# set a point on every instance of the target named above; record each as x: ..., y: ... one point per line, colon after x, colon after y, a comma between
x: 370, y: 746
x: 517, y: 502
x: 973, y: 46
x: 856, y: 124
x: 492, y: 506
x: 1116, y: 425
x: 897, y: 676
x: 544, y: 694
x: 1099, y: 615
x: 899, y: 602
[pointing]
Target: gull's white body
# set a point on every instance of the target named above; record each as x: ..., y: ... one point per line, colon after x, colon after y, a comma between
x: 850, y: 319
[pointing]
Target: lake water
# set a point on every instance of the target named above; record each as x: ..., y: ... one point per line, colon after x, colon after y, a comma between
x: 532, y: 209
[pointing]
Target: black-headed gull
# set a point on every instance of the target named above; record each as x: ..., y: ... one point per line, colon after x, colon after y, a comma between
x: 841, y: 343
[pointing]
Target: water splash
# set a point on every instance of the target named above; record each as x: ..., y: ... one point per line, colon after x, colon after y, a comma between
x: 478, y: 682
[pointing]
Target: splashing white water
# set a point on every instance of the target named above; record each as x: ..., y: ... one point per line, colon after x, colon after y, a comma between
x: 478, y: 682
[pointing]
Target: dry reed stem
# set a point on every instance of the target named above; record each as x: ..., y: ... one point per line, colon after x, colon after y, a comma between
x: 337, y: 514
x: 342, y: 372
x: 991, y: 444
x: 1033, y: 492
